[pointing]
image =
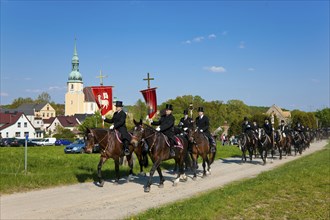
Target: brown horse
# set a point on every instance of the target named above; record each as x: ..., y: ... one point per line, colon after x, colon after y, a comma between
x: 265, y: 145
x: 110, y: 147
x: 159, y: 151
x: 200, y: 147
x: 247, y: 142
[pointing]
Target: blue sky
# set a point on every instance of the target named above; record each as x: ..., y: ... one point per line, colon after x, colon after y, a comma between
x: 260, y: 52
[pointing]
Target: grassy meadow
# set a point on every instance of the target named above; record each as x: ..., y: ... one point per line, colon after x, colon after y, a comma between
x: 299, y: 189
x: 49, y: 166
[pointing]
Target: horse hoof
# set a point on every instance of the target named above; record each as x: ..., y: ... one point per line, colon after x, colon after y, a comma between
x: 175, y: 184
x: 194, y: 178
x: 101, y: 183
x: 161, y: 185
x: 208, y: 173
x: 147, y: 189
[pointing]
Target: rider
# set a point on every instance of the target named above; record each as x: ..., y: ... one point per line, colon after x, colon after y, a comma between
x: 246, y: 125
x: 184, y: 124
x: 283, y: 128
x: 202, y: 123
x: 268, y: 128
x: 185, y: 121
x: 300, y: 129
x: 119, y: 123
x: 166, y: 126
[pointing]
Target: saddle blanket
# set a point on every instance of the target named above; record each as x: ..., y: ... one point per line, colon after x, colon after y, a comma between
x: 180, y: 145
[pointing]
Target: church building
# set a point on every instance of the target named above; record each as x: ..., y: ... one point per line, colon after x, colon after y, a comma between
x: 78, y: 99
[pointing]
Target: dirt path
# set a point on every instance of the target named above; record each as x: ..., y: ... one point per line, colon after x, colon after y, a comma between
x: 87, y: 201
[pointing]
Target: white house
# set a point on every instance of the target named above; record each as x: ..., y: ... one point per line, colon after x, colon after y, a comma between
x: 67, y: 122
x: 17, y: 125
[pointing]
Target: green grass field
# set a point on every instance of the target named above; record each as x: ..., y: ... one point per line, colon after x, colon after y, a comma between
x: 297, y: 190
x: 49, y: 166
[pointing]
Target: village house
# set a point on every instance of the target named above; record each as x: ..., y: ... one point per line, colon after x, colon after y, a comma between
x: 17, y: 125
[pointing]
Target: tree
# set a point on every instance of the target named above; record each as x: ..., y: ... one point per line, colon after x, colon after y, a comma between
x: 19, y: 101
x: 64, y: 133
x: 323, y: 117
x: 94, y: 121
x: 43, y: 97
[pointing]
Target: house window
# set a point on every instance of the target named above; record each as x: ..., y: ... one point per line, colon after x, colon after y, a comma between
x: 47, y: 108
x: 71, y: 102
x: 7, y: 135
x: 26, y: 134
x: 43, y: 114
x: 52, y: 114
x: 47, y: 115
x: 25, y: 124
x: 71, y: 86
x: 18, y: 134
x: 19, y: 124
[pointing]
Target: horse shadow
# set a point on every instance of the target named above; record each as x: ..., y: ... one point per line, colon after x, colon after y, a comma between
x: 240, y: 161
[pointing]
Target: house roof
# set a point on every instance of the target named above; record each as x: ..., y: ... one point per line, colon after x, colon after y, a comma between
x: 68, y: 121
x: 82, y: 117
x: 8, y: 119
x: 89, y: 97
x: 27, y: 108
x: 49, y: 120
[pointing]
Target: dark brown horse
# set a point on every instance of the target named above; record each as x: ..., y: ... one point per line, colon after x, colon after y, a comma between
x: 265, y: 145
x: 110, y: 147
x: 200, y: 147
x: 247, y: 142
x: 159, y: 151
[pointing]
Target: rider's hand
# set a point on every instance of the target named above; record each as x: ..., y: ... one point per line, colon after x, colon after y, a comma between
x: 111, y: 127
x: 185, y: 129
x: 201, y: 130
x: 158, y: 128
x: 103, y: 117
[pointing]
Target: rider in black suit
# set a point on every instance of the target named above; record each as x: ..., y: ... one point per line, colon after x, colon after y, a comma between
x: 203, y: 124
x: 166, y: 126
x: 119, y: 123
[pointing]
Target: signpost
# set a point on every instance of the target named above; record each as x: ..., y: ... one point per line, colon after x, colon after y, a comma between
x: 25, y: 159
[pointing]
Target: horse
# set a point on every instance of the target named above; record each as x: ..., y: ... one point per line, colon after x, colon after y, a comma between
x: 298, y: 142
x: 110, y: 147
x: 247, y: 142
x: 159, y: 151
x: 281, y: 142
x: 265, y: 145
x: 200, y: 147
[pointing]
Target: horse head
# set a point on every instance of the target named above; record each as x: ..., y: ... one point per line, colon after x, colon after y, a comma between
x: 89, y: 140
x: 137, y: 133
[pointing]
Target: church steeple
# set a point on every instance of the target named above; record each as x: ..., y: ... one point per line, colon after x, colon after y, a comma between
x: 75, y: 75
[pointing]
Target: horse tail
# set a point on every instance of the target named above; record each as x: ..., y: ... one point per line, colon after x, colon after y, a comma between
x: 212, y: 157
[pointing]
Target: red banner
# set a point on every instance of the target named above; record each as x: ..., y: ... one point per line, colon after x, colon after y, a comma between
x: 149, y: 96
x: 103, y: 98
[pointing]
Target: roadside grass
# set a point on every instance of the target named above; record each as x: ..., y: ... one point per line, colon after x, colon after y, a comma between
x: 299, y: 189
x: 49, y: 166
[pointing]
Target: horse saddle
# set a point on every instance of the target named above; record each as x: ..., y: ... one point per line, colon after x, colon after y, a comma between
x: 178, y: 141
x: 118, y: 136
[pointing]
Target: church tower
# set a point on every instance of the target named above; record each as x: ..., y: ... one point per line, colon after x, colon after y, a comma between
x: 74, y: 97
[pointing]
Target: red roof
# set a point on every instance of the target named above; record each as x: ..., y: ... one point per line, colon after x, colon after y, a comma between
x: 68, y: 121
x: 7, y: 119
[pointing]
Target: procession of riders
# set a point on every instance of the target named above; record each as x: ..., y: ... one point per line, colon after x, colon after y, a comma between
x: 282, y: 138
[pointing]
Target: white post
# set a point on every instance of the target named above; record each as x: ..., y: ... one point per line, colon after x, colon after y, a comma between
x: 25, y: 154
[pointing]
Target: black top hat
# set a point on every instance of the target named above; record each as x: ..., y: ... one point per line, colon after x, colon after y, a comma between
x: 200, y: 109
x: 119, y: 104
x: 169, y: 107
x: 282, y: 121
x: 185, y: 112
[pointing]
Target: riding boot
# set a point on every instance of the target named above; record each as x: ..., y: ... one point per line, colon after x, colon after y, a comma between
x: 213, y: 145
x: 172, y: 152
x: 126, y: 149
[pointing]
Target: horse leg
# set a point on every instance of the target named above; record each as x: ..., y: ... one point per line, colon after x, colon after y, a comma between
x: 152, y: 171
x: 99, y: 171
x: 116, y: 170
x: 194, y: 164
x: 204, y: 165
x: 208, y: 171
x: 130, y: 164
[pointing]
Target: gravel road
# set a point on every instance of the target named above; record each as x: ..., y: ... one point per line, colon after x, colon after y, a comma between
x: 87, y: 201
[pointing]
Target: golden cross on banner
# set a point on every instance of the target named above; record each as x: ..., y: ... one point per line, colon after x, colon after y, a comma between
x: 101, y: 77
x: 148, y: 78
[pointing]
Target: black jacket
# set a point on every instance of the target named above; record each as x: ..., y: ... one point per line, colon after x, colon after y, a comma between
x: 166, y: 124
x: 185, y: 123
x: 268, y: 128
x: 119, y: 123
x: 246, y: 126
